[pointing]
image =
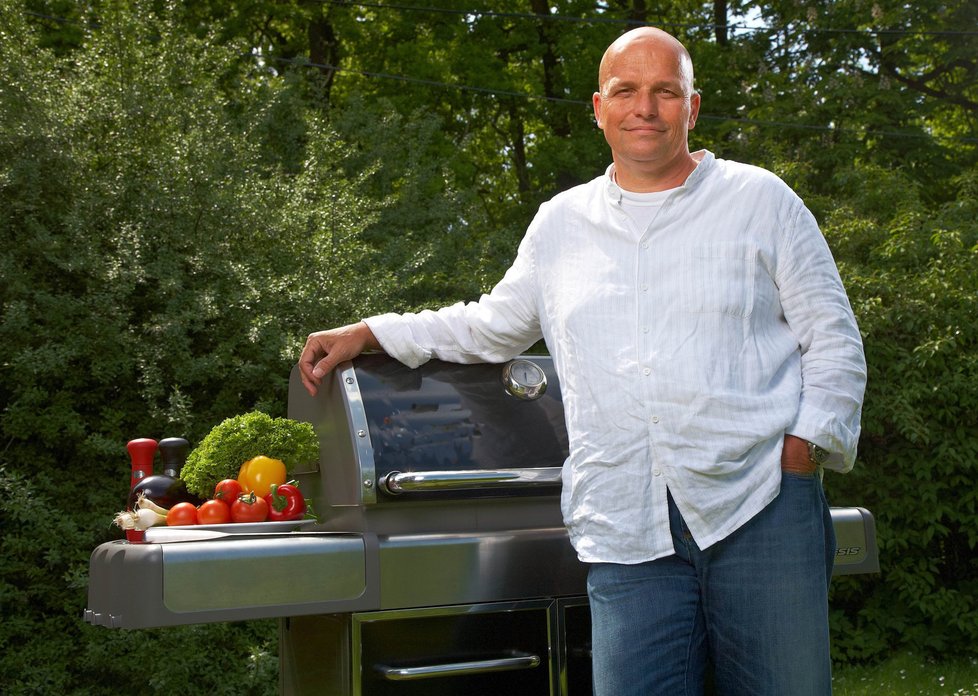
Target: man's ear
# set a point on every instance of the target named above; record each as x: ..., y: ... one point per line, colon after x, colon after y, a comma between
x: 694, y: 109
x: 596, y: 103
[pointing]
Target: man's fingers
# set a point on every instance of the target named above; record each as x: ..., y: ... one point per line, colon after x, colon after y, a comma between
x: 311, y: 387
x: 325, y: 350
x: 311, y: 361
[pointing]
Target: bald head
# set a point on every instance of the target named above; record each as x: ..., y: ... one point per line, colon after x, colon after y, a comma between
x: 645, y: 37
x: 646, y: 107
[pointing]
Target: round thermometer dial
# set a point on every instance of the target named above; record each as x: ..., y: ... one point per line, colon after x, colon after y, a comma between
x: 524, y: 379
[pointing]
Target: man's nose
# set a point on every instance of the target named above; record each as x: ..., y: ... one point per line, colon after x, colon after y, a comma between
x: 647, y: 105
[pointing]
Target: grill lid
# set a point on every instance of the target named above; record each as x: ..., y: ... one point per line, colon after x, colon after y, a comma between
x: 460, y: 421
x: 440, y: 429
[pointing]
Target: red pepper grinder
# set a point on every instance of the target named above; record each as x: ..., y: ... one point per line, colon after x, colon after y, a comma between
x: 166, y: 489
x: 141, y: 452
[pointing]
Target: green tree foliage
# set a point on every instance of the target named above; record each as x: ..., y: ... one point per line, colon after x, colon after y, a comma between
x: 913, y: 276
x: 173, y: 221
x: 882, y: 82
x: 822, y: 83
x: 187, y: 189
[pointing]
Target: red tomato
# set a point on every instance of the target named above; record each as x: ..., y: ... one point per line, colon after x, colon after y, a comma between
x: 181, y: 514
x: 249, y: 508
x: 214, y: 512
x: 228, y: 491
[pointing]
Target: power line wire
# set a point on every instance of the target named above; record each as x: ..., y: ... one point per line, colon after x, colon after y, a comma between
x: 431, y: 83
x: 625, y: 21
x: 581, y: 102
x: 532, y: 97
x: 737, y: 27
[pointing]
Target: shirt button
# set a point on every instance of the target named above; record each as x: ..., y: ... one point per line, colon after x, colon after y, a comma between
x: 645, y: 329
x: 656, y: 472
x: 647, y: 371
x: 655, y: 419
x: 645, y: 245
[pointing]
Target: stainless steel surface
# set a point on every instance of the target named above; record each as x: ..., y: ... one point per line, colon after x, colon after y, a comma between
x: 357, y: 654
x: 855, y: 541
x: 232, y: 573
x: 397, y: 482
x: 231, y: 579
x: 359, y: 431
x: 440, y: 639
x: 524, y: 379
x: 455, y: 669
x: 438, y: 570
x: 385, y: 429
x: 574, y: 648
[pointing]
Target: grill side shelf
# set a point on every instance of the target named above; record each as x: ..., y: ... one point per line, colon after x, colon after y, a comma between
x: 234, y: 578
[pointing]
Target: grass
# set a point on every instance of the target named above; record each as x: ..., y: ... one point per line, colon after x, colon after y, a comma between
x: 907, y: 674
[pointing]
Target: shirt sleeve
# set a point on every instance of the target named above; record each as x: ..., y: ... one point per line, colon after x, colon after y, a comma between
x: 832, y: 361
x: 500, y: 326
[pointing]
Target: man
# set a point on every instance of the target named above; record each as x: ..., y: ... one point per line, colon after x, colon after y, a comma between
x: 709, y: 364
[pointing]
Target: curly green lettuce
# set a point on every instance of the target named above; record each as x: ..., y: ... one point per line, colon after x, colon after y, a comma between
x: 240, y: 438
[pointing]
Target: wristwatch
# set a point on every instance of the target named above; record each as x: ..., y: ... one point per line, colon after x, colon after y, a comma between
x: 817, y: 455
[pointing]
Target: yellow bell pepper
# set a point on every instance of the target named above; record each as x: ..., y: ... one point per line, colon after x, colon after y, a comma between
x: 259, y: 474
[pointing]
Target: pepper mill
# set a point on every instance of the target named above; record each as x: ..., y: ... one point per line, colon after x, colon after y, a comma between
x: 166, y: 489
x: 141, y: 453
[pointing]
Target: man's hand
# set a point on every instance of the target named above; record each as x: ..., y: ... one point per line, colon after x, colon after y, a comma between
x: 794, y: 456
x: 324, y: 350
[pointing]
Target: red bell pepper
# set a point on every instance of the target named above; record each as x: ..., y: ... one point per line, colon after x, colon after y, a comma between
x: 285, y: 502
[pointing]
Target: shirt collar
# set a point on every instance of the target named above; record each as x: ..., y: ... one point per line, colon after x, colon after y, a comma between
x: 706, y: 161
x: 612, y: 190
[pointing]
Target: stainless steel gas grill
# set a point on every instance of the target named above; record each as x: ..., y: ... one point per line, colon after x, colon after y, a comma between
x: 439, y: 565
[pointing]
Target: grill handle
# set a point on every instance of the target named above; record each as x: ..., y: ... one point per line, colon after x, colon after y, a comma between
x: 454, y: 669
x: 397, y: 482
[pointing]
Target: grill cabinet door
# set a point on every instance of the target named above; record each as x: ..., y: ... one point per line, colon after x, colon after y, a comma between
x: 574, y: 629
x: 474, y: 650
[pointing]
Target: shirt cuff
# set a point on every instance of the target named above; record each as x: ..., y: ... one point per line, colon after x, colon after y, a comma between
x: 828, y: 433
x: 395, y: 338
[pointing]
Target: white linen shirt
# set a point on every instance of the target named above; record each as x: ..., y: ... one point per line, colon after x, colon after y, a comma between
x: 685, y: 351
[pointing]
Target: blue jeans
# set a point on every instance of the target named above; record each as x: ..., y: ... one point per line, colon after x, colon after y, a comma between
x: 753, y: 606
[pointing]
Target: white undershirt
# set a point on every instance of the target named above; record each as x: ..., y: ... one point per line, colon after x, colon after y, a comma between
x: 643, y: 207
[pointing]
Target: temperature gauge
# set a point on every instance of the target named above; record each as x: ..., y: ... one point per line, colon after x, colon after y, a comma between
x: 524, y: 379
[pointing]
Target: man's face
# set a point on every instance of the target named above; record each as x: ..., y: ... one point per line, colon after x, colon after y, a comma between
x: 646, y: 105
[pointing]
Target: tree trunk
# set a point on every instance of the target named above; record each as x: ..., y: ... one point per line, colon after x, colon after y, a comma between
x: 324, y: 49
x: 720, y: 21
x: 559, y: 121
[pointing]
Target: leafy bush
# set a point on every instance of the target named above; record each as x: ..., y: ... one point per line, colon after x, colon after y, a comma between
x: 164, y: 243
x: 912, y: 274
